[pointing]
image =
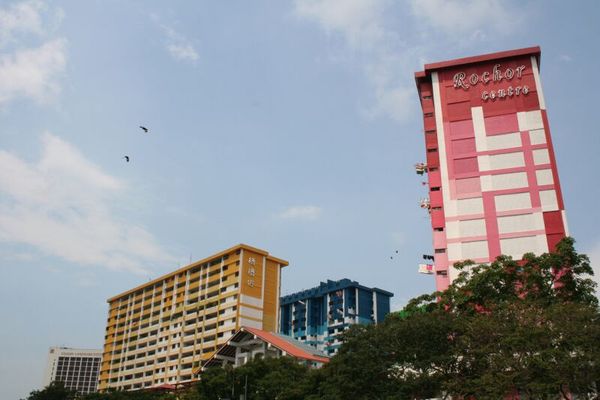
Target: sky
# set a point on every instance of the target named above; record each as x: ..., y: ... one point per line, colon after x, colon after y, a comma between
x: 291, y: 126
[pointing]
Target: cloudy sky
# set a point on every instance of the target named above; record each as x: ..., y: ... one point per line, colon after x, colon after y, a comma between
x: 287, y: 125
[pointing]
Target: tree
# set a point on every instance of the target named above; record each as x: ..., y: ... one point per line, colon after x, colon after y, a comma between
x: 530, y: 326
x: 535, y: 350
x: 274, y: 378
x: 262, y: 379
x: 359, y: 370
x: 129, y: 395
x: 561, y: 276
x: 216, y: 383
x: 403, y: 358
x: 54, y: 391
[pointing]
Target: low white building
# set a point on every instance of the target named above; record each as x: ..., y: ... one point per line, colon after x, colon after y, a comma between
x: 77, y: 368
x: 250, y: 343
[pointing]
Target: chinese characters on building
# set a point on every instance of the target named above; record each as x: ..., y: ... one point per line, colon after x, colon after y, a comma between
x: 251, y: 271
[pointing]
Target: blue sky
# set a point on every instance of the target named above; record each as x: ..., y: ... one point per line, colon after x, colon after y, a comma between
x: 287, y: 125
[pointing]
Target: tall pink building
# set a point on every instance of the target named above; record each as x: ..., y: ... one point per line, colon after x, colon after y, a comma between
x: 493, y: 181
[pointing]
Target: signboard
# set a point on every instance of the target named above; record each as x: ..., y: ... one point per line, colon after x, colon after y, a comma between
x: 496, y: 75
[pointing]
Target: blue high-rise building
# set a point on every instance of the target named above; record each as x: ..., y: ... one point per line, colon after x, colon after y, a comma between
x: 317, y: 316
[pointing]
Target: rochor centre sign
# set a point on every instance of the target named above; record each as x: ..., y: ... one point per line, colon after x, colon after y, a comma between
x: 497, y: 74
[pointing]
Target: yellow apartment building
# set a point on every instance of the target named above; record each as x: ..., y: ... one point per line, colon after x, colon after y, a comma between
x: 160, y: 332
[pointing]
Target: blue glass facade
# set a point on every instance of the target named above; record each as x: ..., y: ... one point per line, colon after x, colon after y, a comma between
x: 317, y: 316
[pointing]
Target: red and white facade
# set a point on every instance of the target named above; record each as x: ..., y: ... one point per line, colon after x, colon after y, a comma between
x: 493, y: 181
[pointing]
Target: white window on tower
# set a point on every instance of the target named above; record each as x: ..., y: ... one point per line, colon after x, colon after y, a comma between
x: 541, y: 156
x: 516, y: 201
x: 537, y: 136
x: 544, y: 177
x: 549, y: 200
x: 530, y: 120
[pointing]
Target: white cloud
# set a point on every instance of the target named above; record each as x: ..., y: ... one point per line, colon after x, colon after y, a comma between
x: 359, y: 21
x: 565, y: 58
x: 473, y: 18
x: 61, y: 205
x: 17, y: 256
x: 24, y: 17
x: 307, y: 213
x: 392, y: 97
x: 361, y: 24
x: 391, y: 48
x: 183, y: 52
x: 177, y: 45
x: 32, y: 72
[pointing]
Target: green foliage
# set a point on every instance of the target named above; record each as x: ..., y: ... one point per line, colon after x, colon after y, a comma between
x: 216, y: 383
x: 54, y: 391
x: 355, y: 373
x: 129, y: 395
x: 538, y: 350
x: 271, y: 378
x: 57, y: 391
x: 530, y: 326
x: 562, y: 276
x: 261, y: 379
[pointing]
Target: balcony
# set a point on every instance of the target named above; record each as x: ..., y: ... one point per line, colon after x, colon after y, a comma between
x: 228, y: 325
x: 187, y: 360
x: 210, y: 310
x: 187, y: 349
x: 210, y: 332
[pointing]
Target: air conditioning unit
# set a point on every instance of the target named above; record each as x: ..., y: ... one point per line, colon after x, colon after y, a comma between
x: 426, y: 269
x: 420, y: 168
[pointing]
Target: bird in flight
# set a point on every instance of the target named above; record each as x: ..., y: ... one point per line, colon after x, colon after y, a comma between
x: 126, y: 158
x: 144, y: 129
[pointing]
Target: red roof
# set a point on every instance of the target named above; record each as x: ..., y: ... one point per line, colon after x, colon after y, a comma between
x: 535, y: 51
x: 284, y: 345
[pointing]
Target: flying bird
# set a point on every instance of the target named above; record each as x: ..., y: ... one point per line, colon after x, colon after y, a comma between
x: 144, y: 129
x: 126, y: 158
